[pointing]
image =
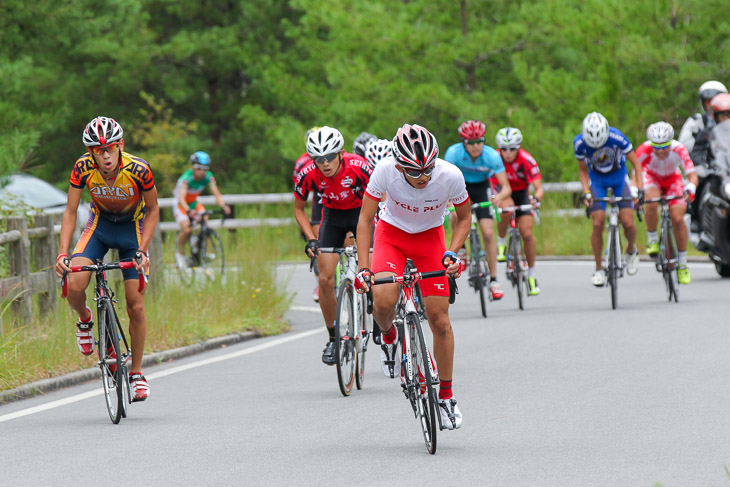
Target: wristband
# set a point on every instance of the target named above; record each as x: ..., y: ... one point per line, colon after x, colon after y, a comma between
x: 61, y: 255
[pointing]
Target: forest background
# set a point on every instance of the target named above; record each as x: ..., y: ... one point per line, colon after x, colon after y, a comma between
x: 244, y: 80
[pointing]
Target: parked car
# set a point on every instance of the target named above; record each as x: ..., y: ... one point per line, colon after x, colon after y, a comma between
x: 39, y: 194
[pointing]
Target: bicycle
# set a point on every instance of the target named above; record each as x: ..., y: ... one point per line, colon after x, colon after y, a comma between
x: 666, y: 260
x: 351, y: 323
x: 516, y: 269
x: 203, y: 249
x: 419, y: 375
x: 478, y: 269
x: 613, y: 261
x: 110, y: 335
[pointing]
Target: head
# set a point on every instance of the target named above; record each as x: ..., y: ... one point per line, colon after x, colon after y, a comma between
x: 720, y: 106
x: 360, y: 145
x: 660, y: 137
x: 472, y: 135
x: 509, y: 140
x: 201, y: 163
x: 103, y: 138
x: 377, y: 150
x: 595, y: 130
x: 415, y: 151
x: 325, y: 147
x: 707, y: 92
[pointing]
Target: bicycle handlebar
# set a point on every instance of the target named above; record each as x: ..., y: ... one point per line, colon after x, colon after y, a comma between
x: 415, y: 277
x: 476, y: 206
x: 510, y: 209
x: 664, y: 199
x: 101, y: 267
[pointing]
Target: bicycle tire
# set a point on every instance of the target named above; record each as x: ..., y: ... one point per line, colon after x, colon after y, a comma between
x: 345, y: 351
x: 362, y: 339
x: 518, y: 272
x: 115, y: 393
x: 613, y: 269
x: 184, y: 269
x: 211, y: 255
x: 478, y: 270
x: 426, y: 400
x: 671, y: 257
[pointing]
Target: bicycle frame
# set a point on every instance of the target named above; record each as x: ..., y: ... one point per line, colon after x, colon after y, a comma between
x: 667, y: 258
x: 613, y: 262
x: 517, y: 266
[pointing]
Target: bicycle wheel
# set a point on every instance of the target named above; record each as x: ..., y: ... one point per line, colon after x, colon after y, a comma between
x: 183, y: 261
x: 424, y: 387
x: 477, y: 271
x: 671, y: 277
x: 113, y: 371
x: 518, y: 273
x: 345, y: 351
x: 613, y: 269
x: 363, y: 335
x: 211, y: 255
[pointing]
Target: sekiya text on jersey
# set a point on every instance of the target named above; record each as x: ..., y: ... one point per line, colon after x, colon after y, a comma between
x: 416, y: 210
x: 344, y: 191
x: 122, y: 201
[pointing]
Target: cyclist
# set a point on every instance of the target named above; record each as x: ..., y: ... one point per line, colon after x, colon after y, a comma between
x: 124, y: 216
x: 602, y: 152
x: 418, y: 186
x: 695, y: 136
x: 186, y: 192
x: 661, y: 157
x: 377, y: 150
x: 341, y: 178
x: 478, y: 162
x: 360, y: 145
x: 316, y: 210
x: 522, y: 171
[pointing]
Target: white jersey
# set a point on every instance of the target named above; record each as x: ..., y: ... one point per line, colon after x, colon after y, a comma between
x: 416, y: 210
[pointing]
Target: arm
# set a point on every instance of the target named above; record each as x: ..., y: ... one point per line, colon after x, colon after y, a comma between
x: 152, y: 216
x: 504, y: 192
x: 68, y: 223
x: 300, y: 215
x: 364, y: 231
x: 585, y: 179
x: 462, y: 225
x: 638, y: 173
x: 539, y: 191
x: 182, y: 195
x: 219, y: 198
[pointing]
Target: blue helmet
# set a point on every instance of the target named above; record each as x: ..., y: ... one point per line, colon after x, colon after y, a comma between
x: 201, y: 158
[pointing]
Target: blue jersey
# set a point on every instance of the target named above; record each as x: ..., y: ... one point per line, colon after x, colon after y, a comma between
x: 487, y: 165
x: 607, y: 160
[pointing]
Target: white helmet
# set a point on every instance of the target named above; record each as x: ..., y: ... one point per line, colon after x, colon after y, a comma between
x: 660, y: 133
x: 102, y: 131
x: 377, y: 150
x: 414, y: 147
x: 595, y: 130
x: 326, y: 140
x: 707, y: 92
x: 509, y: 137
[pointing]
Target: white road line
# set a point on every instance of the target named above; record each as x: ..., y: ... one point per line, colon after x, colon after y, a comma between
x: 313, y: 309
x: 162, y: 373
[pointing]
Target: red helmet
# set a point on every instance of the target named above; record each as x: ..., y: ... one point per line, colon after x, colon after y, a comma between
x: 414, y: 147
x: 720, y: 103
x: 472, y: 130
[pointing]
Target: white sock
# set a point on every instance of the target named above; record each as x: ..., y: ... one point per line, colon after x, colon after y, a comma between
x: 501, y: 240
x: 651, y: 237
x: 682, y: 257
x: 531, y: 272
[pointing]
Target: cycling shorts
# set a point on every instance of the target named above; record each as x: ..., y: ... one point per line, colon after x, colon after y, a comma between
x: 620, y: 185
x: 181, y: 215
x: 669, y: 186
x: 522, y: 197
x: 101, y: 234
x: 391, y: 247
x: 335, y: 226
x: 479, y: 193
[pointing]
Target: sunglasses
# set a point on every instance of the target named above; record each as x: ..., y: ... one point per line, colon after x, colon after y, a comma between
x: 660, y: 146
x: 198, y: 166
x: 509, y: 149
x: 475, y: 141
x: 325, y: 158
x: 416, y: 173
x: 99, y: 150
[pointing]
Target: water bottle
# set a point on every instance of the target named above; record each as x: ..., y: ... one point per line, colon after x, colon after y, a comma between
x: 194, y: 243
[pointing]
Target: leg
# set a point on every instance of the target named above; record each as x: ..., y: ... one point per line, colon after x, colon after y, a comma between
x: 626, y: 217
x: 385, y: 298
x: 525, y: 224
x: 437, y: 309
x: 598, y: 218
x: 77, y: 284
x: 651, y: 210
x: 327, y: 299
x: 137, y: 323
x: 676, y: 213
x: 184, y: 234
x: 490, y: 244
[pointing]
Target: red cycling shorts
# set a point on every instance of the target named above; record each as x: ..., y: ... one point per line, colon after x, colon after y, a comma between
x: 391, y: 247
x: 671, y: 185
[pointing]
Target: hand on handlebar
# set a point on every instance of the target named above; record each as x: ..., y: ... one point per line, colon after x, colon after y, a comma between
x: 62, y: 265
x: 452, y: 263
x: 587, y: 198
x: 689, y: 192
x: 312, y: 248
x: 363, y: 280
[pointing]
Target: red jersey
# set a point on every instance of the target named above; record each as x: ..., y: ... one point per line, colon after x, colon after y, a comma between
x: 669, y: 166
x: 522, y: 171
x: 344, y: 191
x: 303, y: 159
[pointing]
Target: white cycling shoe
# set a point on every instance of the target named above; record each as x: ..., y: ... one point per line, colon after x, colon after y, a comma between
x: 450, y: 414
x: 632, y: 262
x: 599, y: 278
x: 388, y: 357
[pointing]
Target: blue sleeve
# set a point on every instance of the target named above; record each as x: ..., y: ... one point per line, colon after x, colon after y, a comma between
x: 451, y: 154
x: 494, y: 161
x: 578, y: 147
x: 621, y: 140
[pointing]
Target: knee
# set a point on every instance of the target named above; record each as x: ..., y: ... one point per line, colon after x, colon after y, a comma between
x: 136, y: 310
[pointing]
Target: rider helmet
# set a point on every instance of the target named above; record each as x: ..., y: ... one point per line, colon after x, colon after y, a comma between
x: 377, y: 150
x: 595, y: 130
x: 707, y: 92
x: 472, y: 130
x: 360, y: 145
x: 509, y: 137
x: 326, y: 140
x: 719, y: 104
x: 660, y: 133
x: 200, y: 158
x: 102, y: 131
x: 414, y: 147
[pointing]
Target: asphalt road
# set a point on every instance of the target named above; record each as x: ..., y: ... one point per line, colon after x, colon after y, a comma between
x: 566, y: 393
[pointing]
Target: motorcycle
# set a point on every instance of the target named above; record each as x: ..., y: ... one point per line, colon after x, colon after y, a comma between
x: 714, y: 207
